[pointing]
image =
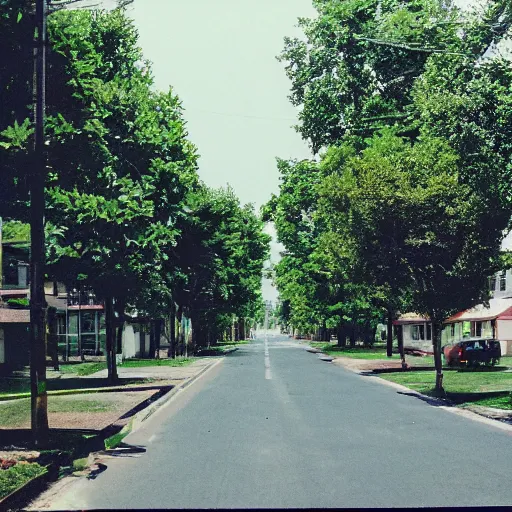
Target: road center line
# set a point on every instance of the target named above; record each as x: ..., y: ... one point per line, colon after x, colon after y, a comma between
x: 268, y: 373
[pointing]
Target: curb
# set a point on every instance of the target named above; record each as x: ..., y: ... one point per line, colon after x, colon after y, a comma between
x: 133, y: 425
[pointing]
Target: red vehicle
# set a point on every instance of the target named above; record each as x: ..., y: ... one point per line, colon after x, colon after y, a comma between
x: 472, y: 352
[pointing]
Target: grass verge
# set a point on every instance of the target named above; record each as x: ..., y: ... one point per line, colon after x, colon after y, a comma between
x: 463, y: 386
x: 17, y: 413
x: 142, y: 363
x: 115, y: 440
x: 18, y: 475
x: 83, y: 369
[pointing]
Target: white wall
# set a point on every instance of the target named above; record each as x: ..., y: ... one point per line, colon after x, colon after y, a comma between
x: 130, y: 344
x: 409, y: 343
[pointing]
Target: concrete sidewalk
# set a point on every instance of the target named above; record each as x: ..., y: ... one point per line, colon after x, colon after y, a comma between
x: 177, y: 373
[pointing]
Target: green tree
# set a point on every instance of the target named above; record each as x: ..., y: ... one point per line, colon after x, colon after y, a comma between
x: 416, y: 227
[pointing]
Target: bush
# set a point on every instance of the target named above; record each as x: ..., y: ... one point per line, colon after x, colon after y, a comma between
x: 18, y: 475
x: 18, y: 303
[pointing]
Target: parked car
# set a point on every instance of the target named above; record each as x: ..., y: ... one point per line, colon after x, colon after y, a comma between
x: 472, y: 352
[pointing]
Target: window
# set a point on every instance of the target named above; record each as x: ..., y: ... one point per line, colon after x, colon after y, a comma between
x: 503, y: 281
x: 418, y: 332
x: 429, y: 331
x: 492, y: 283
x: 453, y: 329
x: 476, y: 329
x: 61, y: 324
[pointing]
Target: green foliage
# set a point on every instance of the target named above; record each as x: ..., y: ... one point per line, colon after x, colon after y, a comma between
x: 412, y: 194
x: 15, y: 231
x: 17, y: 476
x: 220, y: 258
x: 24, y: 303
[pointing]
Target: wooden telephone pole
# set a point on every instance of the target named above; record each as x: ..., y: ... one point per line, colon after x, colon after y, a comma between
x: 39, y: 399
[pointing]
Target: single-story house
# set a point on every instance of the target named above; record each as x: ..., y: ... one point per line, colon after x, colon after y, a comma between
x: 494, y: 321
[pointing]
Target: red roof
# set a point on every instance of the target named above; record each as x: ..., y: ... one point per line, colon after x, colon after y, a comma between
x: 14, y: 316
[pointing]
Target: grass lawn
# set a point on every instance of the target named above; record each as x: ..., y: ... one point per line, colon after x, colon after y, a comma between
x: 17, y: 413
x: 234, y: 343
x: 500, y: 402
x: 355, y: 352
x: 82, y: 369
x: 464, y: 386
x: 18, y: 475
x: 139, y: 363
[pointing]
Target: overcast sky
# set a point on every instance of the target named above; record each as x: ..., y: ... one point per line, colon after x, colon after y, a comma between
x: 219, y: 56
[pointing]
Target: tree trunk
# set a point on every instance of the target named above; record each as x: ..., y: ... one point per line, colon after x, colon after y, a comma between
x: 436, y: 344
x: 158, y: 334
x: 389, y: 337
x: 400, y: 336
x: 38, y: 394
x: 353, y: 334
x: 110, y: 340
x: 152, y: 341
x: 342, y: 335
x: 172, y: 332
x: 241, y: 329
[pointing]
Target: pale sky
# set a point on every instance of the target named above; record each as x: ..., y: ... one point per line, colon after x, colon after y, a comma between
x: 219, y: 56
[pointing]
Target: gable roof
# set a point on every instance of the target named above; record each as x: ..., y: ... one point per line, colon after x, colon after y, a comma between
x: 498, y: 308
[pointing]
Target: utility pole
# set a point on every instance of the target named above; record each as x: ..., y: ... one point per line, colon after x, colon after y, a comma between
x: 39, y: 398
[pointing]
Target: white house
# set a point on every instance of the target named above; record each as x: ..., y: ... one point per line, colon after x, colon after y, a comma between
x: 494, y: 321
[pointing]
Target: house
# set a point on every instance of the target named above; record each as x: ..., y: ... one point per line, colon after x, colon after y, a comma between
x: 80, y: 321
x: 494, y: 321
x: 480, y: 321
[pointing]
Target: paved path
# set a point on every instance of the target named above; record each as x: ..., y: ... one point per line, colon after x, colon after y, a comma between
x: 157, y: 372
x: 273, y: 426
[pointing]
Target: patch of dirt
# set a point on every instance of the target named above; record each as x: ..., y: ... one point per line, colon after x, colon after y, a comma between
x: 118, y: 404
x: 490, y: 412
x: 18, y: 455
x: 366, y: 364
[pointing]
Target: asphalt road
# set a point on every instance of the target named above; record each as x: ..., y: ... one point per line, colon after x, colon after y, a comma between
x: 273, y: 426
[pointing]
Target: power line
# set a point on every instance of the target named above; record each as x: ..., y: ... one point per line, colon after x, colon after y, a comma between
x: 245, y: 116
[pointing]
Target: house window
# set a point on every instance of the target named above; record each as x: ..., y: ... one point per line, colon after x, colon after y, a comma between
x: 429, y: 331
x: 476, y: 329
x: 61, y: 324
x: 503, y: 281
x: 418, y: 332
x: 453, y: 329
x: 492, y: 283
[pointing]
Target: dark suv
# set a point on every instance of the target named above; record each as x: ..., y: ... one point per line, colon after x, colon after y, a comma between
x: 472, y: 352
